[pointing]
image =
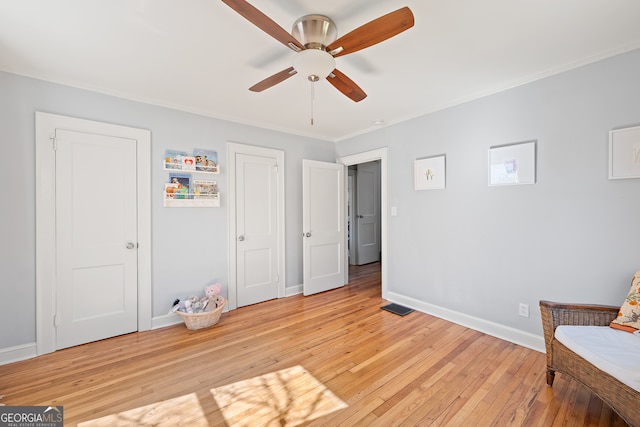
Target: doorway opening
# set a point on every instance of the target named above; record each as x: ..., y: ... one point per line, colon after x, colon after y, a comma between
x: 363, y: 213
x: 379, y: 156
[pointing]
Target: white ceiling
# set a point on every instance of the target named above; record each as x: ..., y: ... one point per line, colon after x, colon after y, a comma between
x: 201, y: 56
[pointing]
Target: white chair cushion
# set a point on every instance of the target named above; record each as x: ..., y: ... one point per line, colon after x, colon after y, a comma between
x: 612, y: 351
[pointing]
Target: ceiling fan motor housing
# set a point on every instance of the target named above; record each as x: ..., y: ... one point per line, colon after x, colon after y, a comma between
x: 315, y: 31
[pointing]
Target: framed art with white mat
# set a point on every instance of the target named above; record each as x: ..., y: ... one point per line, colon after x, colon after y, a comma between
x: 429, y: 173
x: 624, y: 153
x: 512, y: 164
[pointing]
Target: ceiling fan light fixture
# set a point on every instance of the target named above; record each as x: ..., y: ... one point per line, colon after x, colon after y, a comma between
x: 314, y: 64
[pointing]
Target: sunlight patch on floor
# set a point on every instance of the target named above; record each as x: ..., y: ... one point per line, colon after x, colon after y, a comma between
x: 180, y: 411
x: 288, y: 397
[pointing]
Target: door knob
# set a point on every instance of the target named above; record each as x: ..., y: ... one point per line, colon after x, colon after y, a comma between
x: 360, y: 216
x: 241, y: 239
x: 131, y: 245
x: 308, y: 234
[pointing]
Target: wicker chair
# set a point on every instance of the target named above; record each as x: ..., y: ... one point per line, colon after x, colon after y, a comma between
x: 622, y: 398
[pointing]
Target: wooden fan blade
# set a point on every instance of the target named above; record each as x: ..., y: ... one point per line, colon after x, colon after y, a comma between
x: 373, y: 32
x: 347, y: 86
x: 263, y: 22
x: 273, y: 80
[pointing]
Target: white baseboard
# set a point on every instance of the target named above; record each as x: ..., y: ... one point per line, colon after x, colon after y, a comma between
x: 292, y: 290
x: 165, y: 320
x: 17, y: 353
x: 516, y: 336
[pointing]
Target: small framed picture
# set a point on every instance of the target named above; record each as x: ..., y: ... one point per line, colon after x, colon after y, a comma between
x: 429, y: 173
x: 512, y: 164
x: 624, y: 153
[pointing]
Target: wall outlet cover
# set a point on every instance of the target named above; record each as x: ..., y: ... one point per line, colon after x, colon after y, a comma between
x: 523, y: 310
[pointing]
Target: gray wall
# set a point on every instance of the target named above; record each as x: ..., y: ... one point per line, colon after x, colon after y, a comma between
x: 474, y: 249
x: 479, y: 250
x: 189, y: 244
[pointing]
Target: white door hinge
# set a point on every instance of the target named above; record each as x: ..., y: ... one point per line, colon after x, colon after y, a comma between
x: 56, y: 321
x: 55, y: 145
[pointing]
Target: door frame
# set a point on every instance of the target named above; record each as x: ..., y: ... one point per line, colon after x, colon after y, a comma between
x: 352, y: 226
x: 46, y: 125
x: 234, y: 148
x: 370, y: 156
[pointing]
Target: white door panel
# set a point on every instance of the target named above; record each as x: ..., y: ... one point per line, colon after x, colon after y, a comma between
x: 324, y: 221
x: 96, y: 280
x: 256, y: 228
x: 368, y: 213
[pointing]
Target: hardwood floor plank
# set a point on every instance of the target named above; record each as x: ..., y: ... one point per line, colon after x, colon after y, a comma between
x: 467, y: 410
x: 332, y: 359
x: 466, y: 380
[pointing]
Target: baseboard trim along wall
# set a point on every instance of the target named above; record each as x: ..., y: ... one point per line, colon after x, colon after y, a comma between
x: 165, y: 320
x: 293, y: 290
x: 17, y: 353
x: 516, y: 336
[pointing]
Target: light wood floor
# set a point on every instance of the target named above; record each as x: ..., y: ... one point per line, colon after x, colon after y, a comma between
x: 331, y: 359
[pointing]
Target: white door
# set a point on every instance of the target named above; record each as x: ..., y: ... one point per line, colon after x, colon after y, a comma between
x: 96, y: 237
x: 323, y: 221
x: 256, y: 228
x: 367, y: 213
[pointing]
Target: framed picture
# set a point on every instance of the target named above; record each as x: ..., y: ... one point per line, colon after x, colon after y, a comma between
x: 513, y: 164
x: 429, y: 173
x: 624, y: 153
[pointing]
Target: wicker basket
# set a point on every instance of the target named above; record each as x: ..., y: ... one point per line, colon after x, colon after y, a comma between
x: 202, y: 320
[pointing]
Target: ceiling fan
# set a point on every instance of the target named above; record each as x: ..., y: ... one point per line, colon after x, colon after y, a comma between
x: 314, y: 38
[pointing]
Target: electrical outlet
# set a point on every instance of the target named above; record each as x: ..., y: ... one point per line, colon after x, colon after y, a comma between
x: 523, y: 310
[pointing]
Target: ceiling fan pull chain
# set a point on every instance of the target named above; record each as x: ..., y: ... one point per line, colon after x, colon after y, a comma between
x: 312, y: 96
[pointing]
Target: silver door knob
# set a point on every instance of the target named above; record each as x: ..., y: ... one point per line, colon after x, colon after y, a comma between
x: 241, y: 239
x: 308, y: 234
x: 131, y: 245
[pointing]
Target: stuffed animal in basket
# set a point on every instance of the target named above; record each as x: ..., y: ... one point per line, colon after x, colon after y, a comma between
x: 215, y: 299
x: 191, y: 305
x: 210, y: 301
x: 215, y: 302
x: 196, y: 305
x: 212, y: 290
